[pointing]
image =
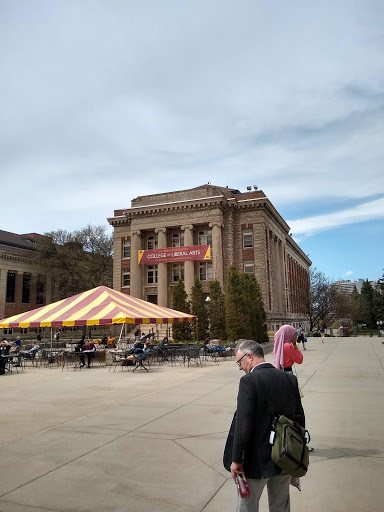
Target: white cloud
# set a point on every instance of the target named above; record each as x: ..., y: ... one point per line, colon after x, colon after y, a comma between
x: 364, y: 212
x: 105, y: 101
x: 348, y: 273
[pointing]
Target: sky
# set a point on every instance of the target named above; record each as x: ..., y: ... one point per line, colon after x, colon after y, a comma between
x: 104, y: 101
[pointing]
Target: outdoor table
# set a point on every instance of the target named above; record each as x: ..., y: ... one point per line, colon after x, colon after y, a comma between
x: 70, y: 357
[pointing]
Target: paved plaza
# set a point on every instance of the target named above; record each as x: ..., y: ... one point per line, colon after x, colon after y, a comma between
x: 98, y: 441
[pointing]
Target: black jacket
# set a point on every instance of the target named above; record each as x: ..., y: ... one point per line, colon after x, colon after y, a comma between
x: 263, y: 394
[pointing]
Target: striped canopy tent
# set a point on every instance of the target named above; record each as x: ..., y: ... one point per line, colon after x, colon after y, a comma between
x: 99, y: 306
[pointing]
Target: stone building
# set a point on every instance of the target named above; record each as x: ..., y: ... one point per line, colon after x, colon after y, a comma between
x: 243, y: 229
x: 21, y: 289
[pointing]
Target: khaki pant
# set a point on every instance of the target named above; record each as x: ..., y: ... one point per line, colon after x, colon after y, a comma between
x: 278, y: 494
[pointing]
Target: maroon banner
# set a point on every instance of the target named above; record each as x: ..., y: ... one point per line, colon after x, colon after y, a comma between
x: 190, y: 252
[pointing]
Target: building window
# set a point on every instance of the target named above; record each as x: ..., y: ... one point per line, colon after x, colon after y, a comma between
x: 127, y: 249
x: 26, y: 288
x: 24, y: 330
x: 247, y: 238
x: 152, y: 274
x: 151, y: 242
x: 177, y: 272
x: 205, y: 237
x: 249, y: 267
x: 177, y: 239
x: 126, y: 278
x: 206, y: 271
x: 11, y: 286
x: 8, y: 330
x: 40, y: 291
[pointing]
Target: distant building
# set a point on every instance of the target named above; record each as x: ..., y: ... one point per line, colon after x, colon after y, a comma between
x: 348, y: 286
x: 21, y: 289
x: 344, y: 286
x: 243, y: 229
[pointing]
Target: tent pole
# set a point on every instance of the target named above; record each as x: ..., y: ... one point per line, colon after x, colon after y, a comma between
x: 51, y: 337
x: 121, y: 332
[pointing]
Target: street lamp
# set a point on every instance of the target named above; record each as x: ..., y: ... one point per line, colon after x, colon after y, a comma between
x: 379, y: 325
x: 208, y: 299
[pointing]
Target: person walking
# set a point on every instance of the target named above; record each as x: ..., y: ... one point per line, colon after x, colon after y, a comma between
x: 264, y: 392
x: 322, y: 333
x: 285, y: 350
x: 301, y: 336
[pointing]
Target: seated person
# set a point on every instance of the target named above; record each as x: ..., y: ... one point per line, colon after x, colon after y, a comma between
x: 214, y: 346
x: 89, y: 349
x: 137, y: 353
x: 31, y: 353
x: 164, y: 343
x: 16, y: 347
x: 137, y: 345
x: 80, y: 344
x: 4, y: 351
x: 104, y: 341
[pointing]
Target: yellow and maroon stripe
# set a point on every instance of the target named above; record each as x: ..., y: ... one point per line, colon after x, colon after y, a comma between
x: 99, y: 306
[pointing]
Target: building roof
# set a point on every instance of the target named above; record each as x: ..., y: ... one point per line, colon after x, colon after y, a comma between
x: 21, y: 241
x: 206, y: 191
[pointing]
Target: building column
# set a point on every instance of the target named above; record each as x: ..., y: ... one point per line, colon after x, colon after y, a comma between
x: 162, y: 270
x: 136, y: 269
x: 280, y: 276
x: 3, y: 290
x: 189, y: 266
x: 217, y: 252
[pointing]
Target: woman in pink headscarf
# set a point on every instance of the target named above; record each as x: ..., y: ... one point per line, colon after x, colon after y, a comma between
x: 285, y: 351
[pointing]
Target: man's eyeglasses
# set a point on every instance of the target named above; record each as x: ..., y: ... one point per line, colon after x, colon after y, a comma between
x: 238, y: 361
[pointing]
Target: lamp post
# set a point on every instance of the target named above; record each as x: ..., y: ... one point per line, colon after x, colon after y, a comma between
x: 207, y: 302
x: 379, y: 325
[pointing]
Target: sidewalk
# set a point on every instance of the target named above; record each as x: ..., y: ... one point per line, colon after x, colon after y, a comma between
x: 113, y: 442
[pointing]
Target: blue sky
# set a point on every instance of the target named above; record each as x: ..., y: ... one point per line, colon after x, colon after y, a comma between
x: 104, y: 101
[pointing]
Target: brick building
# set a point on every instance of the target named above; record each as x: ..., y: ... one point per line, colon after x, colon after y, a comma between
x: 21, y: 289
x: 243, y: 229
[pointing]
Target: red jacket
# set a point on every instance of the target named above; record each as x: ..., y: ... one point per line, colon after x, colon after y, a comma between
x: 291, y: 355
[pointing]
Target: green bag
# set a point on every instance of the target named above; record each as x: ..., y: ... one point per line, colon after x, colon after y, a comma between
x: 289, y: 449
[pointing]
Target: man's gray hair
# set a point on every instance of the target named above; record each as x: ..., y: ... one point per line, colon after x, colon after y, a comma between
x: 251, y: 347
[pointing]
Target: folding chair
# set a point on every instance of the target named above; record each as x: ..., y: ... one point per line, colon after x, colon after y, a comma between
x: 139, y: 359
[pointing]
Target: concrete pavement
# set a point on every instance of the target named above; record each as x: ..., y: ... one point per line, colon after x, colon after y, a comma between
x: 111, y: 442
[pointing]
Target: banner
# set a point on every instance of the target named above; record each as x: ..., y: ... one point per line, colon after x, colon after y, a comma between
x: 173, y: 254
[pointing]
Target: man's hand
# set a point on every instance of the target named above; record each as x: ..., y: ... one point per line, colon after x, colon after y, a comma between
x: 236, y: 469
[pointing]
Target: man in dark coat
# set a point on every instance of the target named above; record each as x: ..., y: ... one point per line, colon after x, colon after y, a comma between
x: 264, y: 392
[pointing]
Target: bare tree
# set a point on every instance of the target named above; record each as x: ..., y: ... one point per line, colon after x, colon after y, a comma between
x: 76, y: 261
x: 322, y: 303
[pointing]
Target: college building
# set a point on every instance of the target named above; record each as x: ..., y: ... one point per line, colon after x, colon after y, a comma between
x: 201, y: 232
x: 21, y: 288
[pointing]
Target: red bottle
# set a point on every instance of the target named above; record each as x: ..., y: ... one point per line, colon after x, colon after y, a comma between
x: 242, y: 486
